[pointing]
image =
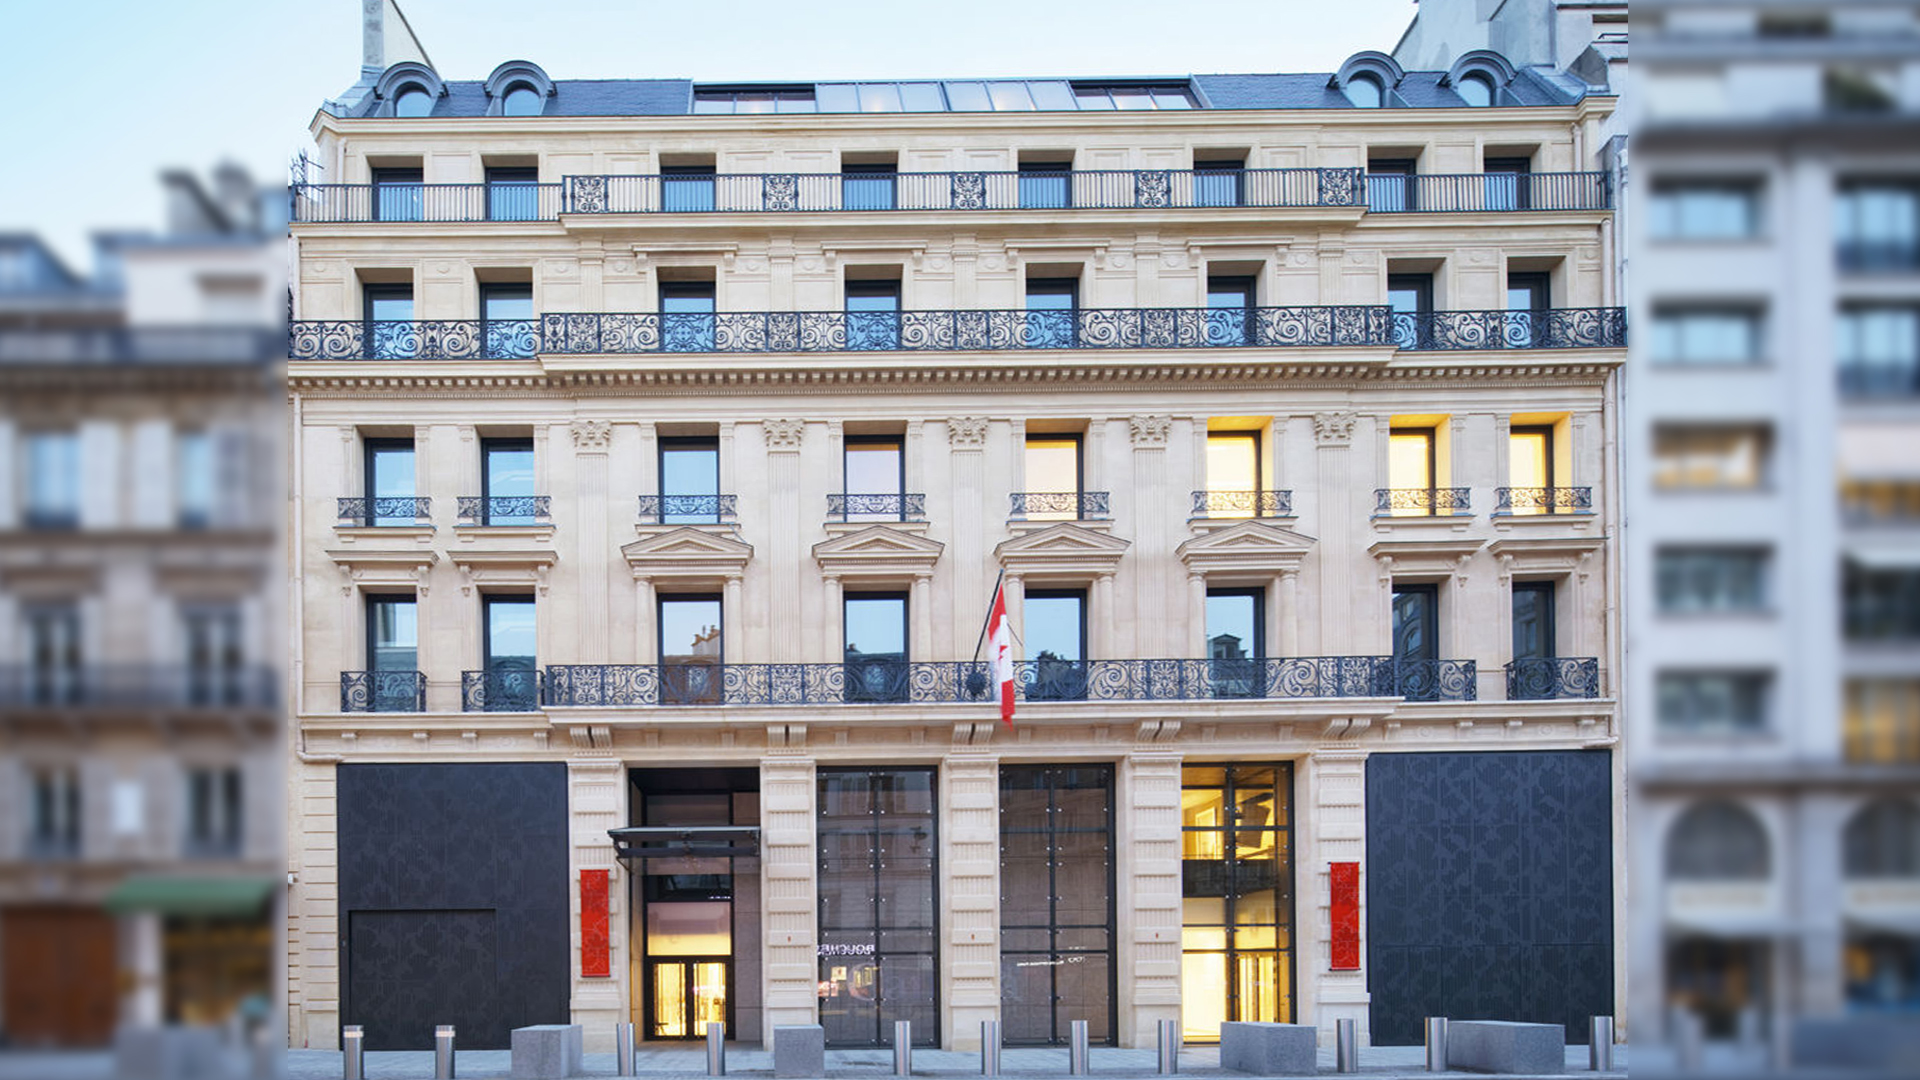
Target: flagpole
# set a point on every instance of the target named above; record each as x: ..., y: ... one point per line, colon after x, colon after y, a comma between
x: 988, y: 621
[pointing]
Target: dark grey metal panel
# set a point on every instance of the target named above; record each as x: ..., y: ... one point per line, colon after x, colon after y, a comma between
x: 1489, y: 889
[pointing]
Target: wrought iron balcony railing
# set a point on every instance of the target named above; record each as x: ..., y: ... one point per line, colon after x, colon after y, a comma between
x: 1059, y: 505
x: 1146, y: 189
x: 1420, y: 502
x: 383, y: 691
x: 1871, y: 256
x: 386, y: 510
x: 1552, y: 328
x: 1860, y: 380
x: 169, y: 345
x: 1551, y: 678
x: 1242, y: 504
x: 499, y: 201
x: 1431, y: 680
x: 440, y: 339
x: 688, y: 509
x: 505, y: 509
x: 135, y: 686
x: 1520, y: 502
x: 901, y: 507
x: 500, y: 690
x: 1389, y: 193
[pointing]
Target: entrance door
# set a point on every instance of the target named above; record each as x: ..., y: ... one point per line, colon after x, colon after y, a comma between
x: 58, y: 981
x: 686, y: 995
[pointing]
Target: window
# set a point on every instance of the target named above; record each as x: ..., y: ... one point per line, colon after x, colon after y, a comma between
x: 1230, y: 311
x: 1046, y: 185
x: 1867, y: 502
x: 1364, y: 91
x: 692, y: 648
x: 1053, y: 478
x: 214, y: 814
x: 1411, y: 465
x: 1877, y: 224
x: 1860, y: 89
x: 687, y: 318
x: 1882, y: 721
x: 193, y: 479
x: 868, y: 186
x: 398, y: 194
x: 1236, y: 641
x: 506, y: 478
x: 1709, y: 458
x: 1416, y: 640
x: 1880, y: 603
x: 1055, y: 635
x: 509, y: 663
x: 389, y: 483
x: 753, y: 99
x: 393, y: 654
x: 1533, y: 620
x: 1528, y: 298
x: 55, y: 828
x: 876, y: 647
x: 687, y: 188
x: 1220, y: 182
x: 513, y: 194
x: 522, y: 100
x: 1508, y: 182
x: 507, y: 325
x: 875, y: 479
x: 1410, y: 297
x: 1706, y: 335
x: 1883, y: 841
x: 1057, y: 910
x: 689, y: 480
x: 53, y: 654
x: 1711, y: 580
x: 1390, y: 184
x: 1234, y: 485
x: 1475, y: 90
x: 1717, y: 841
x: 873, y: 315
x: 1530, y: 469
x: 390, y: 332
x: 1878, y: 348
x: 1712, y: 702
x: 1705, y: 210
x: 53, y: 480
x: 1147, y: 96
x: 1051, y: 304
x: 216, y: 655
x: 1236, y: 905
x: 413, y: 103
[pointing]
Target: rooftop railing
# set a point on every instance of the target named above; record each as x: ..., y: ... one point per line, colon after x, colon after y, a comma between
x: 500, y: 201
x: 1493, y: 192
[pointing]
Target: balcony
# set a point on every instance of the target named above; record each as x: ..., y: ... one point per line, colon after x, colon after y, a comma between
x: 1525, y: 502
x: 902, y: 507
x: 386, y: 511
x: 1428, y: 680
x: 688, y: 509
x: 1879, y: 256
x: 1553, y: 678
x: 1551, y: 328
x: 139, y: 686
x: 1421, y: 502
x: 382, y: 691
x: 441, y: 339
x: 1468, y: 193
x: 1863, y: 380
x: 498, y: 510
x: 1059, y: 505
x: 345, y: 203
x: 169, y: 345
x: 1242, y: 504
x: 500, y: 690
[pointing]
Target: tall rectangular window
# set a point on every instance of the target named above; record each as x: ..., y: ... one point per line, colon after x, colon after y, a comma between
x: 687, y: 316
x: 1230, y: 311
x: 194, y: 479
x: 393, y: 653
x: 389, y: 482
x: 389, y: 329
x: 1057, y: 925
x: 873, y: 315
x: 1877, y: 224
x: 1705, y: 210
x: 687, y: 188
x: 875, y: 627
x: 1410, y: 299
x: 1882, y: 723
x: 1530, y: 469
x: 511, y: 662
x: 513, y: 193
x: 875, y: 479
x: 1416, y: 640
x: 53, y: 480
x: 53, y: 654
x: 1053, y: 478
x: 1233, y: 475
x: 1709, y: 457
x: 1046, y: 185
x: 507, y: 324
x: 215, y: 654
x: 1051, y: 319
x: 1707, y: 335
x: 1533, y: 620
x: 214, y: 812
x: 1390, y: 184
x: 54, y: 831
x: 1508, y: 183
x: 692, y: 648
x: 1410, y: 472
x: 1055, y: 635
x: 398, y: 195
x: 1527, y: 303
x: 689, y: 480
x: 506, y: 478
x: 1220, y: 182
x: 1236, y: 938
x: 868, y: 186
x: 1878, y: 350
x: 1710, y: 580
x: 1880, y: 603
x: 1712, y: 702
x: 1236, y: 641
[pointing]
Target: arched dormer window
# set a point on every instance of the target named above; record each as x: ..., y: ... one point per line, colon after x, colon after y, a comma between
x: 1480, y: 78
x: 408, y: 89
x: 412, y: 102
x: 1475, y: 89
x: 518, y: 88
x: 1365, y: 92
x: 1368, y: 79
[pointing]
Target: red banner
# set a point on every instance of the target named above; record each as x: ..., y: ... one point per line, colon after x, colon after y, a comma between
x: 1345, y: 916
x: 595, y: 948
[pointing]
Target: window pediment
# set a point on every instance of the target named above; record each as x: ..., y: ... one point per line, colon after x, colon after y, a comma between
x: 522, y: 566
x: 400, y: 568
x: 878, y: 550
x: 687, y: 552
x: 1064, y: 549
x: 1247, y: 547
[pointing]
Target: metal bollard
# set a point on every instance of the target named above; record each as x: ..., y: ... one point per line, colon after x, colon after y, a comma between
x: 1077, y: 1048
x: 353, y: 1048
x: 989, y: 1048
x: 1436, y: 1044
x: 1169, y: 1047
x: 716, y: 1048
x: 1600, y: 1044
x: 623, y: 1049
x: 903, y: 1048
x: 1346, y: 1045
x: 443, y: 1052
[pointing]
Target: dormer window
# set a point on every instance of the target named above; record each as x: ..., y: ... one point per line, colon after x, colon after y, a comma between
x: 522, y: 100
x: 1364, y: 91
x: 413, y: 102
x: 1476, y: 90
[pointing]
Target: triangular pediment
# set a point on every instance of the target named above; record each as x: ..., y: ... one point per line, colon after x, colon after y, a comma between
x: 878, y: 550
x: 1065, y: 548
x: 1247, y: 538
x: 687, y: 550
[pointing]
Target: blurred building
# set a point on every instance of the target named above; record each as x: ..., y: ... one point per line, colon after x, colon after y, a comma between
x: 657, y: 447
x: 141, y: 819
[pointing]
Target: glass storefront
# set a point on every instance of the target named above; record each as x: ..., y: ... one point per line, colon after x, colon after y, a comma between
x: 879, y: 960
x: 1237, y: 896
x: 1056, y: 902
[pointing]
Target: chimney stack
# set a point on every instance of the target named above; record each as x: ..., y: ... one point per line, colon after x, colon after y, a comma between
x: 373, y: 54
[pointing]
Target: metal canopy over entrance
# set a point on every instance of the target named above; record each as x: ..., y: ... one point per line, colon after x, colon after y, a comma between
x: 686, y: 842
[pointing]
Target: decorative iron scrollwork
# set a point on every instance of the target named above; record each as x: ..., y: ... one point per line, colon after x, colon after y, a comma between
x: 1553, y: 500
x: 688, y: 509
x: 1550, y: 678
x: 1242, y: 503
x: 1083, y: 505
x: 386, y: 510
x: 504, y: 509
x: 900, y: 507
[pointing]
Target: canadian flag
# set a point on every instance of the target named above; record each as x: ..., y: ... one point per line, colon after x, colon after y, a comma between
x: 1000, y: 651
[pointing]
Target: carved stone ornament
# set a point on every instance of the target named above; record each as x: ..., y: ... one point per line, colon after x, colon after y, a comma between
x: 1150, y: 430
x: 592, y: 435
x: 967, y: 432
x: 784, y: 434
x: 1333, y: 428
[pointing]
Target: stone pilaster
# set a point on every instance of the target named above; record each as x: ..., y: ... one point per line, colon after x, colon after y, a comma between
x: 1332, y: 789
x: 596, y: 794
x: 1148, y: 905
x: 970, y: 862
x: 789, y: 921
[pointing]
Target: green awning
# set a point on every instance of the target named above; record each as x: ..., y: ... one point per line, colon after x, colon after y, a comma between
x: 207, y: 897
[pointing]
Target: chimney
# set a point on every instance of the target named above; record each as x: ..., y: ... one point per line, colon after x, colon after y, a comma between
x: 373, y: 34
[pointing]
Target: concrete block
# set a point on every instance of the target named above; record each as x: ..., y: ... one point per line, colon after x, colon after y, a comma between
x: 800, y: 1051
x: 1889, y: 1045
x: 547, y: 1051
x: 1269, y: 1049
x: 1502, y: 1046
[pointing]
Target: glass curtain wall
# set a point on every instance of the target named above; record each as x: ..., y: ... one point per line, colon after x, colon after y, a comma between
x: 1237, y: 897
x: 1056, y: 902
x: 879, y: 906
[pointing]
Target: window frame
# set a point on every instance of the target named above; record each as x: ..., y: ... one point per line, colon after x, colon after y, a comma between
x: 371, y: 448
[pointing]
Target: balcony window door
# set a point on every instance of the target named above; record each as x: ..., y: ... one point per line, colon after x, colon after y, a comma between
x: 1410, y: 297
x: 393, y: 653
x: 689, y: 480
x: 1230, y: 311
x: 214, y: 812
x: 1527, y: 302
x: 1533, y: 621
x: 53, y: 654
x: 1390, y: 184
x: 398, y: 195
x: 389, y: 329
x: 1236, y: 641
x: 868, y: 186
x: 1530, y: 469
x: 1233, y: 475
x: 692, y: 649
x: 215, y: 655
x: 506, y: 478
x: 194, y: 480
x: 1507, y: 183
x: 1046, y: 185
x: 506, y: 312
x: 687, y: 188
x: 1416, y: 640
x: 513, y: 194
x: 1055, y: 635
x: 876, y: 647
x: 1220, y: 182
x: 1054, y: 480
x: 875, y: 479
x: 873, y: 315
x: 389, y: 482
x: 53, y: 480
x: 1411, y: 467
x: 687, y: 319
x: 54, y: 831
x: 510, y: 658
x: 1051, y: 304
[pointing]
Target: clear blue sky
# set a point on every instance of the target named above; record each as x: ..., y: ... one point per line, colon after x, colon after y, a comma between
x: 108, y: 92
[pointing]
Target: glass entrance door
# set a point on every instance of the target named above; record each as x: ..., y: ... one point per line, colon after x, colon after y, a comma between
x: 687, y: 995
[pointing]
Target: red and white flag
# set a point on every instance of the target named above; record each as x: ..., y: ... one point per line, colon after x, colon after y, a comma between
x: 1000, y: 651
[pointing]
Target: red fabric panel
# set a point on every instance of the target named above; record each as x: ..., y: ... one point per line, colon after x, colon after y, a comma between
x: 1345, y: 910
x: 595, y: 948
